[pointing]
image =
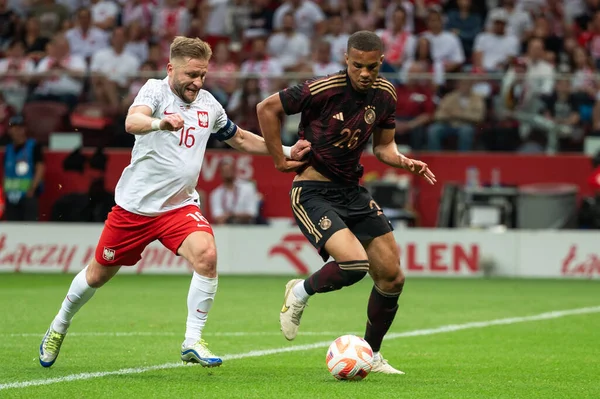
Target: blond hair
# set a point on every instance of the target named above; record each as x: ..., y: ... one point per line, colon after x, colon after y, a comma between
x: 195, y: 48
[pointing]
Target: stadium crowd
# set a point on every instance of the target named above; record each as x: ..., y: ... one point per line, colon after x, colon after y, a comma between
x: 502, y: 75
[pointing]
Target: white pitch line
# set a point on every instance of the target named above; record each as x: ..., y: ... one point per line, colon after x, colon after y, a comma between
x: 170, y: 333
x: 296, y: 348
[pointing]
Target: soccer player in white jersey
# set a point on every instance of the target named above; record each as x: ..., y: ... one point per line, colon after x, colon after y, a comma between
x: 172, y: 120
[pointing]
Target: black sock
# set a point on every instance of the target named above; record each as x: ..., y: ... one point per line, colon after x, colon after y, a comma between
x: 332, y: 277
x: 381, y: 311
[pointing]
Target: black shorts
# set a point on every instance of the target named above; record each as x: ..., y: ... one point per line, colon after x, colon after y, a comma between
x: 322, y: 208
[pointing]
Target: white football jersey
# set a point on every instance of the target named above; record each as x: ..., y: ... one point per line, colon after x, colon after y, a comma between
x: 165, y: 166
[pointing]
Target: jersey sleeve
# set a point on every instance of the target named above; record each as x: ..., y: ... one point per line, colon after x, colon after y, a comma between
x: 149, y: 95
x: 388, y: 121
x: 296, y: 99
x: 223, y: 128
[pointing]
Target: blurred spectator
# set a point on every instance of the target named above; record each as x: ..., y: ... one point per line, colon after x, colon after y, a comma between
x: 289, y: 47
x: 158, y: 56
x: 422, y: 10
x: 308, y: 16
x: 323, y: 65
x: 591, y: 38
x: 220, y: 82
x: 519, y: 22
x: 104, y: 13
x: 73, y: 5
x: 170, y: 20
x: 408, y: 8
x: 260, y: 20
x: 50, y: 15
x: 60, y: 74
x: 137, y: 42
x: 496, y: 49
x: 415, y: 107
x: 242, y: 105
x: 424, y: 58
x: 235, y: 201
x: 457, y: 115
x: 15, y: 71
x: 445, y: 46
x: 562, y: 108
x: 399, y: 43
x: 337, y: 38
x: 239, y: 18
x: 466, y: 24
x: 584, y: 83
x: 139, y: 11
x: 23, y: 173
x: 217, y: 23
x: 524, y: 89
x: 363, y: 15
x: 6, y: 112
x: 555, y: 15
x: 85, y: 39
x: 113, y: 67
x: 9, y: 23
x: 35, y: 43
x: 552, y: 43
x: 136, y: 84
x: 259, y: 64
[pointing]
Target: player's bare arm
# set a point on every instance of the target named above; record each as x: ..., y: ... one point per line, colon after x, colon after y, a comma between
x: 270, y: 112
x: 251, y: 143
x: 140, y: 121
x: 386, y: 151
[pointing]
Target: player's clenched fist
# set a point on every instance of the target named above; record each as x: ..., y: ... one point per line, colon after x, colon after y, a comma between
x: 172, y: 122
x: 300, y: 149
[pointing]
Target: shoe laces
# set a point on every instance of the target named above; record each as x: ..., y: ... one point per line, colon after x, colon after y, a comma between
x: 53, y: 342
x: 202, y: 347
x: 379, y: 358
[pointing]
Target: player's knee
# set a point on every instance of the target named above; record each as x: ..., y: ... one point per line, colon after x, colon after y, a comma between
x: 392, y: 281
x: 97, y: 275
x: 398, y: 283
x: 204, y: 260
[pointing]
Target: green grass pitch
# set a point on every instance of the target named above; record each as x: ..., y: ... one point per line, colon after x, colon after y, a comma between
x: 137, y: 322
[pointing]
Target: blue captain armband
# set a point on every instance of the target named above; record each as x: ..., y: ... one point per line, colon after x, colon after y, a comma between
x: 227, y: 131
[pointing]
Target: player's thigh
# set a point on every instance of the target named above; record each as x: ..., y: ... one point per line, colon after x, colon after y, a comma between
x: 186, y: 232
x: 343, y: 246
x: 384, y: 262
x: 322, y: 225
x: 365, y: 218
x: 124, y: 237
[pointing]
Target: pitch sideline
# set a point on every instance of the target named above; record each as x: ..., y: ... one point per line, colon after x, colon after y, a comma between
x: 259, y: 353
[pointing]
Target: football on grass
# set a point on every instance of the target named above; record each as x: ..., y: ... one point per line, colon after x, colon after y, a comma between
x: 349, y: 358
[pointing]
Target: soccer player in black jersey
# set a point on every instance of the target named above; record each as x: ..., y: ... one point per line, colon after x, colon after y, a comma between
x: 339, y: 217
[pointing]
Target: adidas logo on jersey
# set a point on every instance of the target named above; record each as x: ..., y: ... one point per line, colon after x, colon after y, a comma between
x: 339, y: 116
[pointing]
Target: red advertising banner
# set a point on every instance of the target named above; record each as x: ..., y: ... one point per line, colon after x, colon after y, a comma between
x: 275, y: 186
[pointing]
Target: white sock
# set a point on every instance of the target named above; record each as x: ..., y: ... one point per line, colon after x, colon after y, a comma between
x: 79, y: 293
x: 200, y: 299
x: 300, y: 292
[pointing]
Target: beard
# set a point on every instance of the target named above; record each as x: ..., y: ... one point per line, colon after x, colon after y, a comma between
x: 182, y: 91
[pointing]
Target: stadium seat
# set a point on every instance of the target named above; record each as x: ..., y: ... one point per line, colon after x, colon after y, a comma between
x: 43, y: 118
x: 91, y: 116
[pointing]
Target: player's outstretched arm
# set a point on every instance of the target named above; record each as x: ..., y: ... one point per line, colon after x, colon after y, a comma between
x: 251, y: 143
x: 140, y: 121
x: 270, y: 114
x: 386, y: 151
